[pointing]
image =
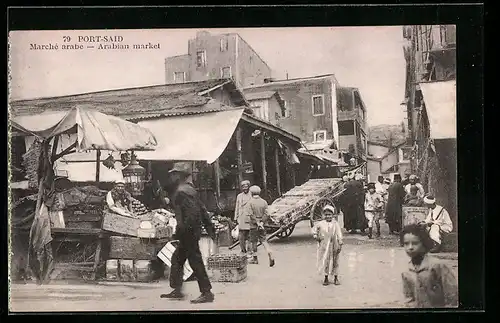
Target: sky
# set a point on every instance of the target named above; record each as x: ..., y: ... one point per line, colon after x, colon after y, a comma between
x: 369, y: 58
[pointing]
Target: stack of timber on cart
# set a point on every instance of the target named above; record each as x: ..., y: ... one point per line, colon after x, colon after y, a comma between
x: 301, y: 203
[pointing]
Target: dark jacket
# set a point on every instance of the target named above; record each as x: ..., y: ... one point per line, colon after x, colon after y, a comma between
x: 190, y: 213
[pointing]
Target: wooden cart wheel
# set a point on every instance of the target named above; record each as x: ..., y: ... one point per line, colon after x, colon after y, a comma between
x: 316, y: 213
x: 287, y: 232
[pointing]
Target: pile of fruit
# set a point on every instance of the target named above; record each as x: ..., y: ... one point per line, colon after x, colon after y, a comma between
x: 138, y: 208
x: 220, y: 224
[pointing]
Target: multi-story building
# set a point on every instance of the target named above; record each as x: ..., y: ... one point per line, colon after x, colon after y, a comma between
x: 320, y: 112
x: 430, y: 100
x: 216, y: 57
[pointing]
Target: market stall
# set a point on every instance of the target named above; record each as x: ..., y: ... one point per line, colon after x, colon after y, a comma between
x: 94, y: 131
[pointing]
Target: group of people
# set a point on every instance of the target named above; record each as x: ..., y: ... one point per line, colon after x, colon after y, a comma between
x: 251, y: 212
x: 364, y: 206
x: 427, y: 283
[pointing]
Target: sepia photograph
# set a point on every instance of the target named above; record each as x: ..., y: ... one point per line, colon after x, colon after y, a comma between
x: 233, y: 169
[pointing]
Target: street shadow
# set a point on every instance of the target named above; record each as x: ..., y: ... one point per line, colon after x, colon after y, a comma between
x: 294, y: 238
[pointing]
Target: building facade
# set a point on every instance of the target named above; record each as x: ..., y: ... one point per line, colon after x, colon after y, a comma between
x: 220, y: 56
x: 386, y: 160
x: 430, y: 101
x: 320, y: 112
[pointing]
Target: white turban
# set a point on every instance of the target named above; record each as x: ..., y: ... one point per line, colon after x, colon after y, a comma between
x: 429, y: 200
x: 245, y: 182
x: 255, y: 190
x: 330, y: 208
x: 119, y: 181
x: 413, y: 176
x: 345, y: 178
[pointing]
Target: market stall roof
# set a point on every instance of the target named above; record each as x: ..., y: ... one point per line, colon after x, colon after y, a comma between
x: 200, y: 137
x: 140, y: 102
x: 440, y: 99
x: 316, y: 158
x: 94, y: 130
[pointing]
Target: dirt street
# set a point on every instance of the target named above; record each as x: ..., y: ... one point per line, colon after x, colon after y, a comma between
x: 370, y: 274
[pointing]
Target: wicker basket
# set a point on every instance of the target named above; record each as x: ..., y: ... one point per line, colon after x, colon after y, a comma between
x: 227, y: 261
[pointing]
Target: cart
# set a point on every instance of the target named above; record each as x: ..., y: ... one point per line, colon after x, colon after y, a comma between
x: 302, y: 203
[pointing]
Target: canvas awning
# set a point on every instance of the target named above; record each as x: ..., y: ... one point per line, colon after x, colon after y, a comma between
x: 94, y: 130
x: 441, y: 106
x: 201, y: 137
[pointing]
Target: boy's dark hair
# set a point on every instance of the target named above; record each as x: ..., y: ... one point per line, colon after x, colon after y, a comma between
x: 421, y: 232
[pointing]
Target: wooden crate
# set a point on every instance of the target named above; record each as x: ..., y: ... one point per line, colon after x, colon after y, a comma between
x: 132, y: 248
x: 120, y: 224
x: 112, y: 270
x: 227, y: 275
x: 126, y: 270
x: 143, y: 270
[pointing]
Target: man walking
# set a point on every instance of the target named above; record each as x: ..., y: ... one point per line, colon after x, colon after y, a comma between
x: 257, y: 232
x: 373, y: 206
x: 241, y: 215
x: 191, y: 215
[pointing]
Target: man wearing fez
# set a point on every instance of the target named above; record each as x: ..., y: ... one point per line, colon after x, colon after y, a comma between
x: 191, y: 215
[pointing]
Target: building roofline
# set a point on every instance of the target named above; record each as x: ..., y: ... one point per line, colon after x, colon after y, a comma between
x: 301, y: 79
x: 223, y: 81
x: 176, y: 56
x: 258, y: 55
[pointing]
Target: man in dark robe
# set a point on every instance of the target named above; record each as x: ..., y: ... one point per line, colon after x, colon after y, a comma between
x: 348, y: 205
x: 353, y: 205
x: 395, y: 200
x: 191, y: 215
x: 360, y: 192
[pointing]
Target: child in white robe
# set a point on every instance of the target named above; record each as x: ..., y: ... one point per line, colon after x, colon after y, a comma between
x: 329, y: 236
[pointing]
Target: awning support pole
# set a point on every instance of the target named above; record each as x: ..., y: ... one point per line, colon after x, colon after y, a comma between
x: 240, y: 156
x: 277, y: 163
x: 98, y: 166
x: 217, y: 177
x: 263, y: 161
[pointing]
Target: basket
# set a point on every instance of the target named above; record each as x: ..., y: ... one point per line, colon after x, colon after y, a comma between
x: 227, y: 261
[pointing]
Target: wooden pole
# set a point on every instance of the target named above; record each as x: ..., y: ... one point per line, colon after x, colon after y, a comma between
x: 263, y: 161
x: 217, y: 177
x: 277, y: 164
x: 98, y: 166
x: 240, y: 155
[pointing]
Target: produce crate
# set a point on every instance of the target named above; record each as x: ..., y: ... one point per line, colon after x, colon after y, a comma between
x: 132, y: 248
x: 112, y: 270
x: 126, y: 270
x: 227, y: 275
x: 129, y: 270
x: 143, y: 270
x: 120, y: 224
x: 227, y: 261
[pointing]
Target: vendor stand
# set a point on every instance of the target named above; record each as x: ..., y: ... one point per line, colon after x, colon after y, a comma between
x: 94, y: 131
